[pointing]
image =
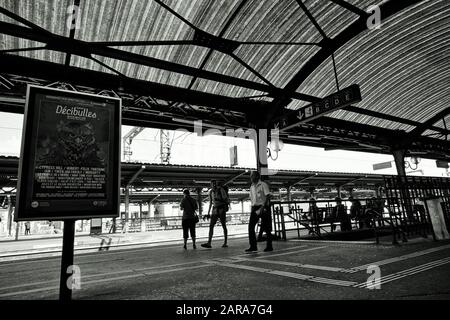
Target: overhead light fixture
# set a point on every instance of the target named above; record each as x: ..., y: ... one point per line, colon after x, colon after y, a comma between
x: 153, y: 181
x: 304, y: 138
x: 370, y: 146
x: 191, y: 122
x: 202, y: 181
x: 183, y: 121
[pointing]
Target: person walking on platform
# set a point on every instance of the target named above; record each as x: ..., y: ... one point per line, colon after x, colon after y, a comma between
x: 219, y: 202
x: 189, y: 219
x: 260, y: 199
x: 314, y: 216
x: 357, y: 213
x: 27, y: 228
x: 340, y: 214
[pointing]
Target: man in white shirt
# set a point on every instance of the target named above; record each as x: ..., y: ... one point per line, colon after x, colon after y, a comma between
x: 260, y: 199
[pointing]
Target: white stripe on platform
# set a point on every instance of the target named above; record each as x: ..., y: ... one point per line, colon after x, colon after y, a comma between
x: 135, y: 275
x: 298, y: 265
x: 294, y: 275
x: 399, y: 258
x: 408, y: 272
x: 291, y: 252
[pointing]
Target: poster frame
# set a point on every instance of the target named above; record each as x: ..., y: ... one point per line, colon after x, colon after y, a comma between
x: 29, y: 128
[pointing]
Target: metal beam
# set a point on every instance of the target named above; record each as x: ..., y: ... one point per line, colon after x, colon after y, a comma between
x: 311, y: 18
x: 222, y: 32
x: 76, y: 3
x: 350, y: 7
x: 351, y: 181
x: 426, y: 125
x: 235, y: 177
x: 134, y: 177
x: 95, y: 79
x: 87, y: 49
x: 385, y: 116
x: 303, y: 179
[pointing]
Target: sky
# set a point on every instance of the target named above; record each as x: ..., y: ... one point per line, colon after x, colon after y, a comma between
x: 214, y: 150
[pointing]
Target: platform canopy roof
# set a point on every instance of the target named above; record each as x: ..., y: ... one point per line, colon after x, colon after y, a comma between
x: 243, y: 63
x: 160, y: 177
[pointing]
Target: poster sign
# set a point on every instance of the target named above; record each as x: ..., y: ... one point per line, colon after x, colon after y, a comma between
x: 233, y: 156
x: 442, y: 164
x: 382, y: 165
x: 70, y: 156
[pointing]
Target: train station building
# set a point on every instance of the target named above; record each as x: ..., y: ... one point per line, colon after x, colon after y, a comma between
x: 318, y: 127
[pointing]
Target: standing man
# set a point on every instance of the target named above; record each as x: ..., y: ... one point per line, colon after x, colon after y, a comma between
x: 260, y: 198
x: 27, y: 227
x: 219, y: 202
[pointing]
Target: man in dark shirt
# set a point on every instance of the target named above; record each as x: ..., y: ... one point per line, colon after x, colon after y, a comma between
x: 189, y: 206
x: 218, y: 202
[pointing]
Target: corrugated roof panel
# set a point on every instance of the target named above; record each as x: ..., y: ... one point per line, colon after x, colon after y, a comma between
x: 274, y: 62
x: 272, y: 21
x: 331, y: 17
x: 134, y: 70
x: 224, y: 89
x: 8, y: 42
x: 48, y: 14
x: 90, y: 64
x: 128, y: 20
x: 207, y: 15
x: 403, y: 70
x: 224, y: 64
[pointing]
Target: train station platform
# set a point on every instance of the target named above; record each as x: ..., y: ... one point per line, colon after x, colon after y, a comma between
x: 295, y: 270
x: 50, y: 245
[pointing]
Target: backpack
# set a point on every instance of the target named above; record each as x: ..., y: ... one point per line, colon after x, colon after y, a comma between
x: 227, y: 206
x: 226, y: 201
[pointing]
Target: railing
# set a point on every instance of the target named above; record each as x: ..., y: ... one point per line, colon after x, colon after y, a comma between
x: 165, y: 223
x: 405, y: 201
x: 373, y: 214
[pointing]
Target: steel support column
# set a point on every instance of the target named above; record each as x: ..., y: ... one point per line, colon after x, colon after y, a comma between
x: 399, y: 158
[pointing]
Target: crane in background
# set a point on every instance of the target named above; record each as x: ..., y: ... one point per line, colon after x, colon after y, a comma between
x: 165, y: 143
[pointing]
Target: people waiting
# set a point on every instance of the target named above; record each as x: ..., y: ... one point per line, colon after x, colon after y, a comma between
x: 260, y: 201
x: 188, y: 222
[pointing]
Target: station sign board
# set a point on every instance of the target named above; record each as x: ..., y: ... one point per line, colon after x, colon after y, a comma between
x: 382, y: 165
x: 233, y: 156
x: 442, y: 164
x: 69, y: 164
x: 335, y: 101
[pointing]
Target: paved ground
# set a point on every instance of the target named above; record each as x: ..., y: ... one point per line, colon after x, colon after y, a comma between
x: 51, y: 246
x: 295, y: 270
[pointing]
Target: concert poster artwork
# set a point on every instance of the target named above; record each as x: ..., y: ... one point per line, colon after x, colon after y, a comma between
x: 69, y: 166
